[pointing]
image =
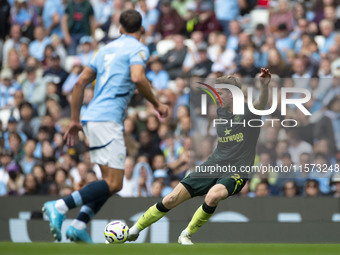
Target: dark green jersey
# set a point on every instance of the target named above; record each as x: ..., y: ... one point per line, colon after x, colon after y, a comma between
x: 236, y: 139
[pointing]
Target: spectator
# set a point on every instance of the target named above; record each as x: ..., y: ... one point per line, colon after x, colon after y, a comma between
x: 283, y: 15
x: 34, y: 90
x: 30, y: 185
x: 24, y: 15
x: 149, y: 20
x: 160, y: 175
x: 86, y: 52
x: 301, y: 29
x: 247, y: 68
x: 303, y: 170
x: 47, y: 59
x: 15, y: 181
x: 262, y: 189
x: 132, y: 145
x: 158, y: 76
x: 312, y: 188
x: 169, y: 22
x: 77, y: 22
x: 16, y: 146
x: 204, y: 64
x: 12, y: 127
x: 259, y: 36
x: 330, y: 14
x: 226, y: 11
x: 283, y: 42
x: 78, y: 175
x: 147, y: 147
x: 14, y: 62
x: 58, y: 75
x: 59, y: 48
x: 47, y: 151
x: 142, y: 178
x: 192, y: 57
x: 60, y: 178
x: 28, y: 124
x: 156, y: 188
x: 152, y: 125
x: 52, y: 14
x: 7, y: 89
x: 290, y: 189
x: 28, y: 161
x: 24, y: 51
x: 207, y: 21
x: 37, y: 47
x: 321, y: 173
x: 336, y: 183
x: 39, y: 173
x: 233, y: 39
x: 174, y: 58
x: 12, y: 42
x: 41, y: 137
x: 327, y: 31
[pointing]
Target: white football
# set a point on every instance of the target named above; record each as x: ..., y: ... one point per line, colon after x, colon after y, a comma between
x: 116, y: 232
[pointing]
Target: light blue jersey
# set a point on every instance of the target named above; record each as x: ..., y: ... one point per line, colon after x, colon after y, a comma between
x: 114, y: 87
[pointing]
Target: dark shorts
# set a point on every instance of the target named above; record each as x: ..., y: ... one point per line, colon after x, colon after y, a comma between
x: 199, y: 186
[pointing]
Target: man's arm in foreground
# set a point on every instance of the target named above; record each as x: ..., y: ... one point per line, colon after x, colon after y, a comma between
x: 143, y: 86
x: 86, y: 77
x: 261, y: 102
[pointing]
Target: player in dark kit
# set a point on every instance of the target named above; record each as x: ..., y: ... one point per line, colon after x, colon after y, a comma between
x: 236, y: 148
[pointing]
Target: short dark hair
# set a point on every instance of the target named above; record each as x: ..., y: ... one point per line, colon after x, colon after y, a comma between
x: 131, y: 21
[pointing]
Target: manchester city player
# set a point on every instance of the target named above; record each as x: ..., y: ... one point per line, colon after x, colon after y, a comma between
x: 236, y: 148
x: 117, y: 68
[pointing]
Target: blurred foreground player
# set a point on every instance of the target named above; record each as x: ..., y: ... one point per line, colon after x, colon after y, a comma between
x: 117, y: 68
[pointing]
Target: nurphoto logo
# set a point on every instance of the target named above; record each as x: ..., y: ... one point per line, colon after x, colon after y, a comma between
x: 302, y: 96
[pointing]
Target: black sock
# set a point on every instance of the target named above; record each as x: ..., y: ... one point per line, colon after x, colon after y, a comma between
x: 208, y: 209
x: 89, y: 210
x: 161, y: 207
x: 90, y: 193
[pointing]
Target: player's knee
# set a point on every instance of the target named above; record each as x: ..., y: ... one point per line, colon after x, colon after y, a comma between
x: 170, y: 201
x: 213, y: 198
x: 114, y: 187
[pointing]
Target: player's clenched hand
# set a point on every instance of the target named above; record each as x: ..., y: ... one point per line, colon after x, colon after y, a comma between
x: 71, y: 135
x: 265, y: 76
x: 163, y: 110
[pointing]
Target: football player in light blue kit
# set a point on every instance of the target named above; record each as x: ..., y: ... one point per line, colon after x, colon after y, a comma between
x: 117, y: 68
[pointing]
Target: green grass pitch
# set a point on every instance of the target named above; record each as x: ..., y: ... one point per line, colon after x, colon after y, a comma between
x: 165, y: 249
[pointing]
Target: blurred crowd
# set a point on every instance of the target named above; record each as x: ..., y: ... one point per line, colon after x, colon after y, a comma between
x: 45, y: 44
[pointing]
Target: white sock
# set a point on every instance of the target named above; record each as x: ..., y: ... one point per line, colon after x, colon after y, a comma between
x: 80, y: 225
x: 134, y: 230
x: 185, y: 232
x: 61, y: 206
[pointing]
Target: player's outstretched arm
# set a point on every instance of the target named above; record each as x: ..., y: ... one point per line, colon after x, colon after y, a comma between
x: 261, y: 102
x: 143, y: 86
x: 86, y: 77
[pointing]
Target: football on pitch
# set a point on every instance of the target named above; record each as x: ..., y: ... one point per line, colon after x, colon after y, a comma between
x: 116, y: 232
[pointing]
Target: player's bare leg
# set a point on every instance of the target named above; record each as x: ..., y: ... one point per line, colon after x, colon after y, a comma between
x: 217, y: 193
x: 157, y: 211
